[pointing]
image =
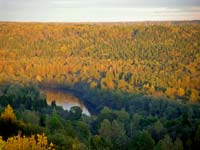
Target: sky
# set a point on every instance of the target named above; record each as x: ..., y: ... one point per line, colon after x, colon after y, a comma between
x: 98, y: 10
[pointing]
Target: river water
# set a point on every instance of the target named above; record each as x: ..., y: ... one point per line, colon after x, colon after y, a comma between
x: 64, y: 99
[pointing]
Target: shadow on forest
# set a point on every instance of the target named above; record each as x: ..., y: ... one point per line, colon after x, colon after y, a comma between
x: 132, y: 115
x: 96, y: 99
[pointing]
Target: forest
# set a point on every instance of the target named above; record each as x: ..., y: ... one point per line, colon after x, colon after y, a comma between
x: 140, y: 82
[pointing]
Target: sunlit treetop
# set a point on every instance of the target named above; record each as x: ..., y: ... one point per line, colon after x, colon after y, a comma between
x: 8, y: 114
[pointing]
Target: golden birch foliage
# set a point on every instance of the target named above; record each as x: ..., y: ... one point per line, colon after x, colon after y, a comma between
x: 181, y: 92
x: 38, y: 142
x: 194, y: 95
x: 8, y: 114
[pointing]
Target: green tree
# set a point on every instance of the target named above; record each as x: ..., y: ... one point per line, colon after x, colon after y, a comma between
x: 54, y: 122
x: 134, y: 124
x: 178, y: 145
x: 105, y: 129
x: 82, y: 129
x: 122, y: 116
x: 197, y: 137
x: 76, y: 112
x: 142, y: 141
x: 99, y: 143
x: 157, y: 130
x: 188, y: 144
x: 165, y: 144
x: 61, y: 140
x: 107, y: 113
x: 118, y: 135
x: 30, y: 117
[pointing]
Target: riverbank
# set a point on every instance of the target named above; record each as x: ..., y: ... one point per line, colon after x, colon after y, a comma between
x: 77, y: 93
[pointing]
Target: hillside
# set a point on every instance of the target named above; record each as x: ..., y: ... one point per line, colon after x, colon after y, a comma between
x: 158, y: 59
x: 139, y: 82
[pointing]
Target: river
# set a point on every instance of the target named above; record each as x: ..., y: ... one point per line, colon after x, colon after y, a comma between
x: 64, y: 99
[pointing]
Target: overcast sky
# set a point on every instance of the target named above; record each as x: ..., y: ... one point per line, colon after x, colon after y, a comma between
x: 98, y: 10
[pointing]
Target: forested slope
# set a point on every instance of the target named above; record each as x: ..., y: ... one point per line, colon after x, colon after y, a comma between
x: 159, y: 59
x: 140, y: 81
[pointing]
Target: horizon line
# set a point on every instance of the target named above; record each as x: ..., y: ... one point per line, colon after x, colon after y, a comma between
x: 113, y: 21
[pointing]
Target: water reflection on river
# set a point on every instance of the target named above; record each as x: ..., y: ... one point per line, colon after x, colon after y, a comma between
x: 64, y: 99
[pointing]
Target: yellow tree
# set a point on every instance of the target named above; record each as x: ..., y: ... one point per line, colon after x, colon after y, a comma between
x: 38, y: 142
x: 181, y: 92
x: 170, y: 92
x: 8, y: 114
x: 194, y: 96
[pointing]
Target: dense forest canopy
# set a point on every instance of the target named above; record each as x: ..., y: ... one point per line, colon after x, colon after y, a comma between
x: 159, y: 59
x: 140, y: 81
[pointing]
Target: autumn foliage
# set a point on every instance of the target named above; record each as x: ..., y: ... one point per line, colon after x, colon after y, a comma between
x: 19, y: 142
x: 38, y: 142
x: 159, y: 59
x: 8, y: 114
